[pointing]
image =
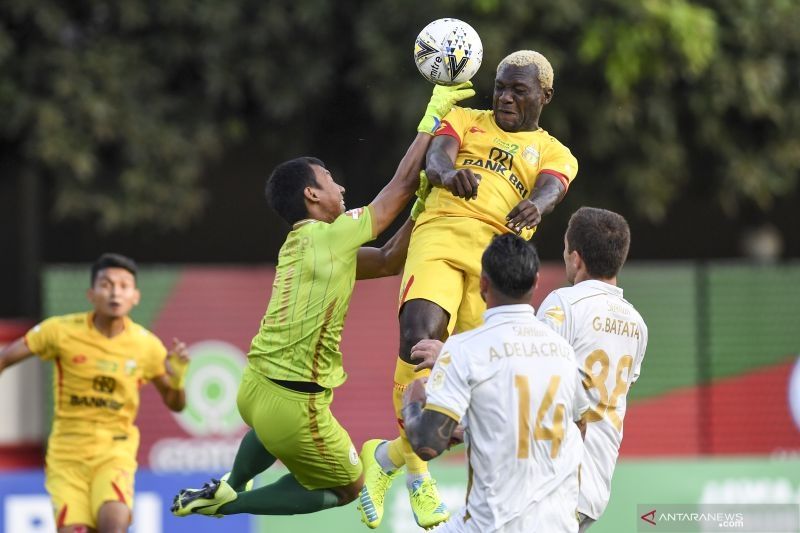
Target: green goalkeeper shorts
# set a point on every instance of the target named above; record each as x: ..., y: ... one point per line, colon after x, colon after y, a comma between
x: 300, y: 430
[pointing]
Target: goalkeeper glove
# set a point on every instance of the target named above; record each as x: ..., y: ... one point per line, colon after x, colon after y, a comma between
x: 177, y: 370
x: 422, y: 193
x: 441, y: 102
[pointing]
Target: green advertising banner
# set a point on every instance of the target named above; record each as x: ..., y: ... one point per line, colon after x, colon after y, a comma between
x: 737, y: 481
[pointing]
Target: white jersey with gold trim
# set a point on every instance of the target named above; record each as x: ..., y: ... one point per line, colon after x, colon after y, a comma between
x: 609, y: 337
x: 515, y: 386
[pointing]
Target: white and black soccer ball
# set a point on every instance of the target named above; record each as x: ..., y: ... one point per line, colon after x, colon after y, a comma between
x: 448, y: 51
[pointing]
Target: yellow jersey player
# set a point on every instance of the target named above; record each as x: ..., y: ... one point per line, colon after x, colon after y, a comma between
x: 294, y: 362
x: 101, y: 360
x: 492, y: 172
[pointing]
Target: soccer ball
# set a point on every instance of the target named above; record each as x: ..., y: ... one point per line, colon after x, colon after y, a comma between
x: 448, y: 52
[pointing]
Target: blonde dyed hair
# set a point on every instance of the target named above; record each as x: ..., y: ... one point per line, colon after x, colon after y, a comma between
x: 524, y: 58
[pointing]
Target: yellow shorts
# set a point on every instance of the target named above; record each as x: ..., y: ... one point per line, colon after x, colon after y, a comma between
x: 444, y: 266
x: 300, y: 430
x: 79, y: 488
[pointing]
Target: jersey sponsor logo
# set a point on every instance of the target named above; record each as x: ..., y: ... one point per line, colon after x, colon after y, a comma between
x: 79, y: 359
x: 106, y: 366
x: 511, y: 148
x: 500, y: 161
x: 94, y: 401
x: 502, y: 157
x: 105, y: 384
x: 355, y: 213
x: 476, y: 129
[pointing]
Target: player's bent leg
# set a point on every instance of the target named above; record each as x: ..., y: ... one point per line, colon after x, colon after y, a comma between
x: 113, y: 517
x: 419, y: 319
x: 377, y: 480
x: 349, y: 492
x: 251, y: 459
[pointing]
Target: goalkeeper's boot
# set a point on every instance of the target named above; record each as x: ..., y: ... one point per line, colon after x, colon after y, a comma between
x: 205, y: 501
x: 376, y: 485
x: 427, y: 505
x: 247, y: 486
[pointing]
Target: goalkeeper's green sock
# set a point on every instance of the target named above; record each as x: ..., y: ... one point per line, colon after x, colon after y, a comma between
x: 285, y: 496
x: 251, y: 459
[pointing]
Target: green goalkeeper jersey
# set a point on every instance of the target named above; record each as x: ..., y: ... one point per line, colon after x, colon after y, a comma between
x: 300, y: 334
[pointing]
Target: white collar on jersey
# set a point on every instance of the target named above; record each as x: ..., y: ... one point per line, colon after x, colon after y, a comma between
x: 601, y: 285
x: 508, y: 310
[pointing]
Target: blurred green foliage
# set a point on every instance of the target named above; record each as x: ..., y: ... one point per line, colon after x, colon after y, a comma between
x: 122, y: 105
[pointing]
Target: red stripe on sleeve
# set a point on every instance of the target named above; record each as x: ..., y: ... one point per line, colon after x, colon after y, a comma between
x: 447, y: 129
x: 561, y: 177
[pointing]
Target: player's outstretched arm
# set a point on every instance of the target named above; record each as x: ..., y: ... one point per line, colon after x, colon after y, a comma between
x: 396, y: 194
x: 14, y: 353
x: 429, y: 432
x: 529, y: 212
x: 388, y: 259
x: 170, y: 385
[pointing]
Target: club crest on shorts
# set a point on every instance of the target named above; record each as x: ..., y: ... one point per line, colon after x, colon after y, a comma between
x: 353, y: 455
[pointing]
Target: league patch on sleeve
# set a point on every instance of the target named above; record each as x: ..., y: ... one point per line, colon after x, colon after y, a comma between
x: 555, y: 314
x: 355, y: 214
x: 436, y: 381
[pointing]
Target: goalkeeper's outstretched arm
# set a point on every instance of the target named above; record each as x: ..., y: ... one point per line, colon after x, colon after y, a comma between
x: 387, y: 260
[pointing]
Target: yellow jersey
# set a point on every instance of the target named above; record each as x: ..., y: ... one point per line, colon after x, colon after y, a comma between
x: 508, y: 164
x: 96, y: 382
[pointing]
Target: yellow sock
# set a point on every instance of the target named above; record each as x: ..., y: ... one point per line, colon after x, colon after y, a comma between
x: 395, y: 452
x: 403, y: 375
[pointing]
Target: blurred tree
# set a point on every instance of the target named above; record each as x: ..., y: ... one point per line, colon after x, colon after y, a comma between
x: 120, y: 106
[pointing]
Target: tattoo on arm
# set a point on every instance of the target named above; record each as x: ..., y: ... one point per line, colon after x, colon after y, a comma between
x: 428, y: 432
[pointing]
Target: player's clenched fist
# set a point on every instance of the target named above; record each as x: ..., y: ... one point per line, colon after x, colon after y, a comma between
x: 462, y: 182
x: 177, y: 364
x: 525, y: 215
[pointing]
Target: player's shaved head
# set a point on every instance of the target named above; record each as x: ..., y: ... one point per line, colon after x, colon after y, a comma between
x: 511, y: 264
x: 602, y: 239
x: 524, y: 58
x: 110, y: 260
x: 285, y: 186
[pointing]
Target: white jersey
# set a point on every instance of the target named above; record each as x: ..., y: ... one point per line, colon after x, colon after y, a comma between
x: 609, y: 338
x: 515, y: 386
